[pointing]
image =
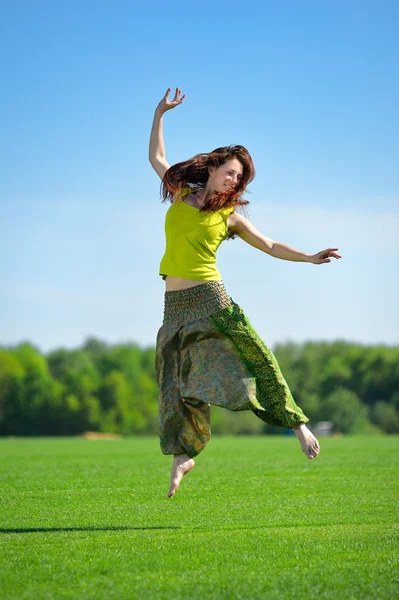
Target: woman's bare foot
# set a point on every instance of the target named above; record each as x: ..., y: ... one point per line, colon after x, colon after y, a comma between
x: 182, y: 464
x: 309, y: 444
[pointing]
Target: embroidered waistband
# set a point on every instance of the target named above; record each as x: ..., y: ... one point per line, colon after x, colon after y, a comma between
x: 183, y: 306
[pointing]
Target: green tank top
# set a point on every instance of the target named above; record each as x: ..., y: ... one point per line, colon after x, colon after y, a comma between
x: 192, y: 238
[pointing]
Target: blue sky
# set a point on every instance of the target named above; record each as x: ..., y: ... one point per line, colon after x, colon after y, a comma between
x: 309, y: 87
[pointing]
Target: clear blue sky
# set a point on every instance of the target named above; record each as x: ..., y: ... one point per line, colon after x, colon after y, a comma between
x: 310, y: 87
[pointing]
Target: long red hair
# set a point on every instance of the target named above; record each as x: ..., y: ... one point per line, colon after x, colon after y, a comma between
x: 194, y: 173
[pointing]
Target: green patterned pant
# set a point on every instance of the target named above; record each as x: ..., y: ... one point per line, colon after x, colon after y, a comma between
x: 208, y: 353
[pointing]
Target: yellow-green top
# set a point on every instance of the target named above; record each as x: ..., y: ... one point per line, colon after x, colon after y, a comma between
x: 192, y: 238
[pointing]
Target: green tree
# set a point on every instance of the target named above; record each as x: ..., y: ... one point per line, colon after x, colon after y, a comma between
x: 11, y: 393
x: 344, y: 409
x: 121, y: 412
x: 386, y: 416
x: 39, y: 395
x: 80, y: 379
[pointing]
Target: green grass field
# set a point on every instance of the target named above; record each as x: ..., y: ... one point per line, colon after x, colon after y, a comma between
x: 254, y: 519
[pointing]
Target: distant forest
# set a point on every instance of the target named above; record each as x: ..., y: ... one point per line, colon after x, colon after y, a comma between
x: 112, y: 388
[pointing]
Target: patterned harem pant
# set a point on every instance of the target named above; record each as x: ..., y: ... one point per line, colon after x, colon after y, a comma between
x: 207, y: 352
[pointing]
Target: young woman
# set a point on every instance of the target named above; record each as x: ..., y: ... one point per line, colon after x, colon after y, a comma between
x: 207, y: 351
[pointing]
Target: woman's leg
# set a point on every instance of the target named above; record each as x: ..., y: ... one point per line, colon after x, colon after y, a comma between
x: 273, y: 401
x: 182, y: 464
x: 184, y: 423
x: 184, y: 432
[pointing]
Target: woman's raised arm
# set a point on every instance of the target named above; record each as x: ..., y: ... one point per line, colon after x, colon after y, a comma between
x: 156, y: 155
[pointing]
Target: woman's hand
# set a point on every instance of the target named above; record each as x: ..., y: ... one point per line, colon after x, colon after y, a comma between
x: 167, y: 104
x: 324, y: 256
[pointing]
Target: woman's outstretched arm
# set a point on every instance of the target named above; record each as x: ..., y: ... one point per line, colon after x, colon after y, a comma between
x: 156, y: 155
x: 244, y: 228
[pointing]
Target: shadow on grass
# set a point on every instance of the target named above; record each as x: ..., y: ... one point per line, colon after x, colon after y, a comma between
x: 51, y: 529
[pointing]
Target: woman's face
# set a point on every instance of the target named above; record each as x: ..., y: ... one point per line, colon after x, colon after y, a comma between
x: 226, y: 176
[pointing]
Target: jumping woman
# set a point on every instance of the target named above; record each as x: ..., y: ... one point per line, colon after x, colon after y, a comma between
x: 207, y: 351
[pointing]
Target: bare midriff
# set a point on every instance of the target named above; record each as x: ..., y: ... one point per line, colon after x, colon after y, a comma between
x: 174, y: 284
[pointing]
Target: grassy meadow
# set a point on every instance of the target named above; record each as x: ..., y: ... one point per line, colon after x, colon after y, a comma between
x: 254, y: 520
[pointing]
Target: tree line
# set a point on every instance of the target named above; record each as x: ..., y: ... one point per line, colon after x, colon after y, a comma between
x: 112, y: 388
